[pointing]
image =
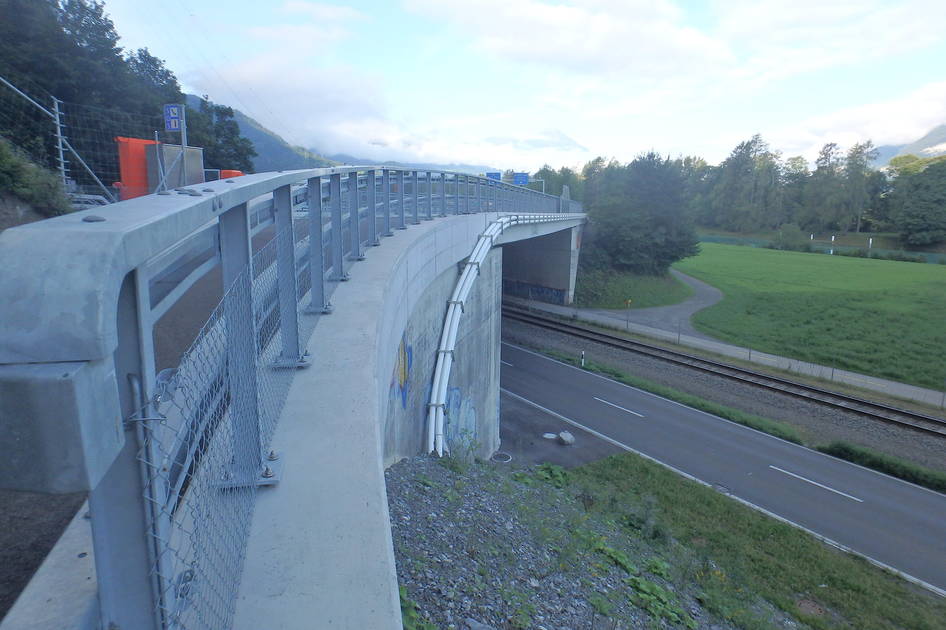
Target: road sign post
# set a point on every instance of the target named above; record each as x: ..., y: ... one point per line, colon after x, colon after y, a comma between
x: 175, y: 119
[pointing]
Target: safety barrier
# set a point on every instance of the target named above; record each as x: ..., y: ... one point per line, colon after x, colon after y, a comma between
x: 173, y: 458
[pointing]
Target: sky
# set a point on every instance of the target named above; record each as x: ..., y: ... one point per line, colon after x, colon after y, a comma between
x: 521, y: 83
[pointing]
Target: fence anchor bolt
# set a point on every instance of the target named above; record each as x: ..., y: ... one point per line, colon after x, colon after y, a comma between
x: 273, y: 456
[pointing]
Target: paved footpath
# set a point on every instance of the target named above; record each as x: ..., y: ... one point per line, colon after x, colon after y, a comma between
x: 674, y: 318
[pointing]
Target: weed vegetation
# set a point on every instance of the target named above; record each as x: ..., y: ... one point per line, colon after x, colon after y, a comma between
x: 736, y: 554
x: 621, y: 543
x: 30, y: 183
x: 597, y: 288
x: 870, y: 316
x: 893, y: 466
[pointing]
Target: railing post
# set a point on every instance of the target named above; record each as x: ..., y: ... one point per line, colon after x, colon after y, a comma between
x: 354, y: 217
x: 401, y: 197
x: 129, y: 596
x: 386, y: 200
x: 371, y: 184
x: 286, y: 285
x: 317, y: 301
x: 335, y: 202
x: 443, y: 194
x: 479, y: 200
x: 415, y: 207
x: 430, y: 194
x: 241, y: 334
x: 466, y: 194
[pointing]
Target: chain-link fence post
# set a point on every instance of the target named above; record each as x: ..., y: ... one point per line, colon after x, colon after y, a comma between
x: 401, y: 195
x: 335, y: 204
x: 386, y: 201
x: 415, y: 195
x: 443, y: 194
x: 241, y: 340
x: 120, y: 525
x: 317, y: 301
x: 291, y: 354
x: 371, y: 185
x: 354, y: 217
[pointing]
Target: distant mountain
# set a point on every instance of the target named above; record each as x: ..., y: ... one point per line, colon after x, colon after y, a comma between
x: 930, y: 145
x: 885, y: 153
x: 474, y: 169
x: 273, y: 153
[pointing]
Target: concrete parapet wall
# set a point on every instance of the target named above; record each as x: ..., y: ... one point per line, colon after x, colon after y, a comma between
x: 472, y: 410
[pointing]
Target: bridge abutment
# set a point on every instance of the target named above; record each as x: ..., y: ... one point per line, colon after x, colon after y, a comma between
x: 472, y: 407
x: 543, y: 268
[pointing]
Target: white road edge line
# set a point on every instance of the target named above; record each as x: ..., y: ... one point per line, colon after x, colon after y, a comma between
x: 506, y: 363
x: 815, y: 483
x: 639, y: 415
x: 721, y: 419
x: 877, y: 563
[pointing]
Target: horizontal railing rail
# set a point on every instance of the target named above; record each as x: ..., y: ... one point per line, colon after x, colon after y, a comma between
x: 175, y: 446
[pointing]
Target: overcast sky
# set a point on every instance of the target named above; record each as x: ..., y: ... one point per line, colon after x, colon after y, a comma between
x: 519, y: 83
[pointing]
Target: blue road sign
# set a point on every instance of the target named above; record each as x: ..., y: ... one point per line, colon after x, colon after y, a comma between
x: 497, y: 176
x: 520, y: 179
x: 172, y: 117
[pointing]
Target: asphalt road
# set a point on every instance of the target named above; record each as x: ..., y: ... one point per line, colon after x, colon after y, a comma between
x: 891, y: 522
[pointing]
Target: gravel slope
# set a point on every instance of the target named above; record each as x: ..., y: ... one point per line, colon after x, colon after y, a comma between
x: 488, y: 546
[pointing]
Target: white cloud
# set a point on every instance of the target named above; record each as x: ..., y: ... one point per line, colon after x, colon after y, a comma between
x: 616, y: 37
x: 775, y: 39
x: 895, y: 121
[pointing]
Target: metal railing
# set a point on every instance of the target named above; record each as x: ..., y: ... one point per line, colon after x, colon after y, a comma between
x: 197, y: 434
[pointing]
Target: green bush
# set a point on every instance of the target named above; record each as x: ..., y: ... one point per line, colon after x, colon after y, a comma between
x: 31, y: 183
x: 790, y: 237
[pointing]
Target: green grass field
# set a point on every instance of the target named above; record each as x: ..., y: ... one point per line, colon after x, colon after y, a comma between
x: 609, y: 289
x: 877, y: 317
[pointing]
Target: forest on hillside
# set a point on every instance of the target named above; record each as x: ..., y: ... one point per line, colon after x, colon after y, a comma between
x: 69, y: 50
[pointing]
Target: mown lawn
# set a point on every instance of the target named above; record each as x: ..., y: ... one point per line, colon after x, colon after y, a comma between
x: 610, y: 289
x: 877, y: 317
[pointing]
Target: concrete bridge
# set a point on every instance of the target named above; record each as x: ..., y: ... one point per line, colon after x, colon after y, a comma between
x: 228, y: 369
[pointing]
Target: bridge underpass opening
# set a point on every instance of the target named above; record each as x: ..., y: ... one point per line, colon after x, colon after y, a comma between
x: 543, y: 268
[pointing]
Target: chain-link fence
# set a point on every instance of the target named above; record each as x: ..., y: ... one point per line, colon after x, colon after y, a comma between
x: 81, y: 142
x: 207, y: 435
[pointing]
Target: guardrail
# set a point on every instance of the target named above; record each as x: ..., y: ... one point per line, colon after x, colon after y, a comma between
x: 173, y: 459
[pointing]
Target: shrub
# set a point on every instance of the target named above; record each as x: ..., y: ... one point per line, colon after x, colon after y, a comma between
x: 31, y: 183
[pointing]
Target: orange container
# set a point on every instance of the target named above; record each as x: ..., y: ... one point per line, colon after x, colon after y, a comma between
x: 133, y: 167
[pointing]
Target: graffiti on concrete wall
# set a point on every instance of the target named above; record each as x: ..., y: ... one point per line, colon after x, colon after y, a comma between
x: 460, y: 421
x: 401, y: 380
x: 517, y: 288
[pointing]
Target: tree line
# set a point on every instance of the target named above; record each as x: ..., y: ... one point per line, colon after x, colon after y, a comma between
x: 644, y: 213
x: 70, y: 49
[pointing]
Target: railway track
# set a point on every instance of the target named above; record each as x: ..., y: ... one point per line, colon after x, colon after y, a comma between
x: 919, y: 422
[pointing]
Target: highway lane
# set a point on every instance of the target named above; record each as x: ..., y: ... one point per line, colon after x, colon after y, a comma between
x: 892, y: 522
